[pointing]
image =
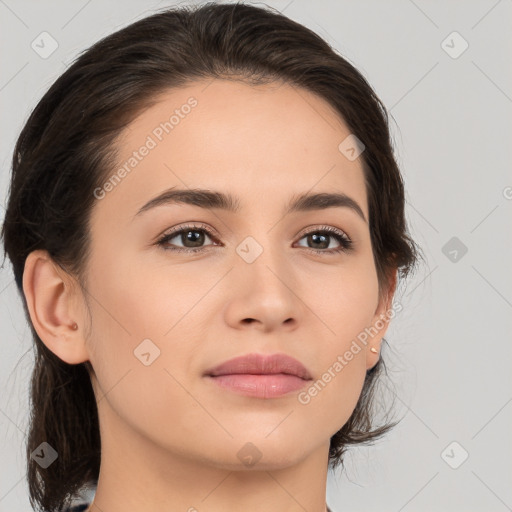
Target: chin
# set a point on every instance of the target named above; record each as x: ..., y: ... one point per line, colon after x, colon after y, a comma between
x: 258, y: 454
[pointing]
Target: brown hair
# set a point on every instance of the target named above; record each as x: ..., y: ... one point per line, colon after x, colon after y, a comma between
x: 67, y: 149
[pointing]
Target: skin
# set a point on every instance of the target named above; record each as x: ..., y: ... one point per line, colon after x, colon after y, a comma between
x: 169, y: 437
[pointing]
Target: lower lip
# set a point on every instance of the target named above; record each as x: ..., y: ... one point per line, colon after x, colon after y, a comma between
x: 260, y: 386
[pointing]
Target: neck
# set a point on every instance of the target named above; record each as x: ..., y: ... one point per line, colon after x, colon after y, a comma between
x: 138, y: 475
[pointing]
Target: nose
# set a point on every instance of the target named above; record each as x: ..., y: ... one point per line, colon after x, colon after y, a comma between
x: 263, y: 294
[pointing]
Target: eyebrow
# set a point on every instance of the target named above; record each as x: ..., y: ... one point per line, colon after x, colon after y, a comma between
x: 210, y: 199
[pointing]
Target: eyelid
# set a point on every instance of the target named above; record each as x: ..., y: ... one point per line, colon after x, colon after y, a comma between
x: 316, y: 227
x: 213, y: 233
x: 345, y: 241
x: 191, y: 226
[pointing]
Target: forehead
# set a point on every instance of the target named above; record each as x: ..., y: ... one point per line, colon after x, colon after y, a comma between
x: 261, y: 143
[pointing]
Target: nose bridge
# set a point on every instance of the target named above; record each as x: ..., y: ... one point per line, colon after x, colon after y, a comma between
x: 262, y: 280
x: 263, y: 288
x: 262, y: 261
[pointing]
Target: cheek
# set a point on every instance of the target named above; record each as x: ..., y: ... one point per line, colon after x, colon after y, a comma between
x: 142, y: 373
x: 345, y: 302
x: 330, y: 400
x: 345, y: 299
x: 348, y: 305
x: 142, y: 343
x: 137, y: 302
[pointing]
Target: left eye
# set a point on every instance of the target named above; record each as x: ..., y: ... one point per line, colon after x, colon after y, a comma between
x: 320, y: 237
x: 196, y: 237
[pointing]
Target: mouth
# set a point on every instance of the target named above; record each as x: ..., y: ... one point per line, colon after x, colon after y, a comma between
x: 260, y: 376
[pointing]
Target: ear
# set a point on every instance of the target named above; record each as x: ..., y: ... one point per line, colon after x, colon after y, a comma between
x: 52, y: 300
x: 380, y: 322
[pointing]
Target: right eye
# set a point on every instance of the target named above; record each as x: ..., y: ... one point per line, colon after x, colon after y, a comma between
x: 187, y: 234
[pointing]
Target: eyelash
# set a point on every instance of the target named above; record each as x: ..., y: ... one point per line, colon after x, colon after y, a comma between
x: 344, y: 241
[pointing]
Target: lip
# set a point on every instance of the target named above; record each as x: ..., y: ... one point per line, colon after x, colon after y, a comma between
x: 260, y: 376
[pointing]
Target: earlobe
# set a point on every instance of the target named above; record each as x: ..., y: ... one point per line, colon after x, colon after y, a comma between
x: 380, y: 322
x: 50, y: 301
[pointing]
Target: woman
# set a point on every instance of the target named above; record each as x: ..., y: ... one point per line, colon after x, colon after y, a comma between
x: 206, y: 225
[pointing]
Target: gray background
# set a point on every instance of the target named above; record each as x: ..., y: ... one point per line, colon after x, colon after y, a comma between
x: 450, y: 364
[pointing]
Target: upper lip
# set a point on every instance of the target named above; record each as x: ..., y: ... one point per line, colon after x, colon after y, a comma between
x: 260, y: 364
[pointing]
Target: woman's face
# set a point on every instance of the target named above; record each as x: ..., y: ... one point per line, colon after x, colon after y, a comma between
x: 264, y: 281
